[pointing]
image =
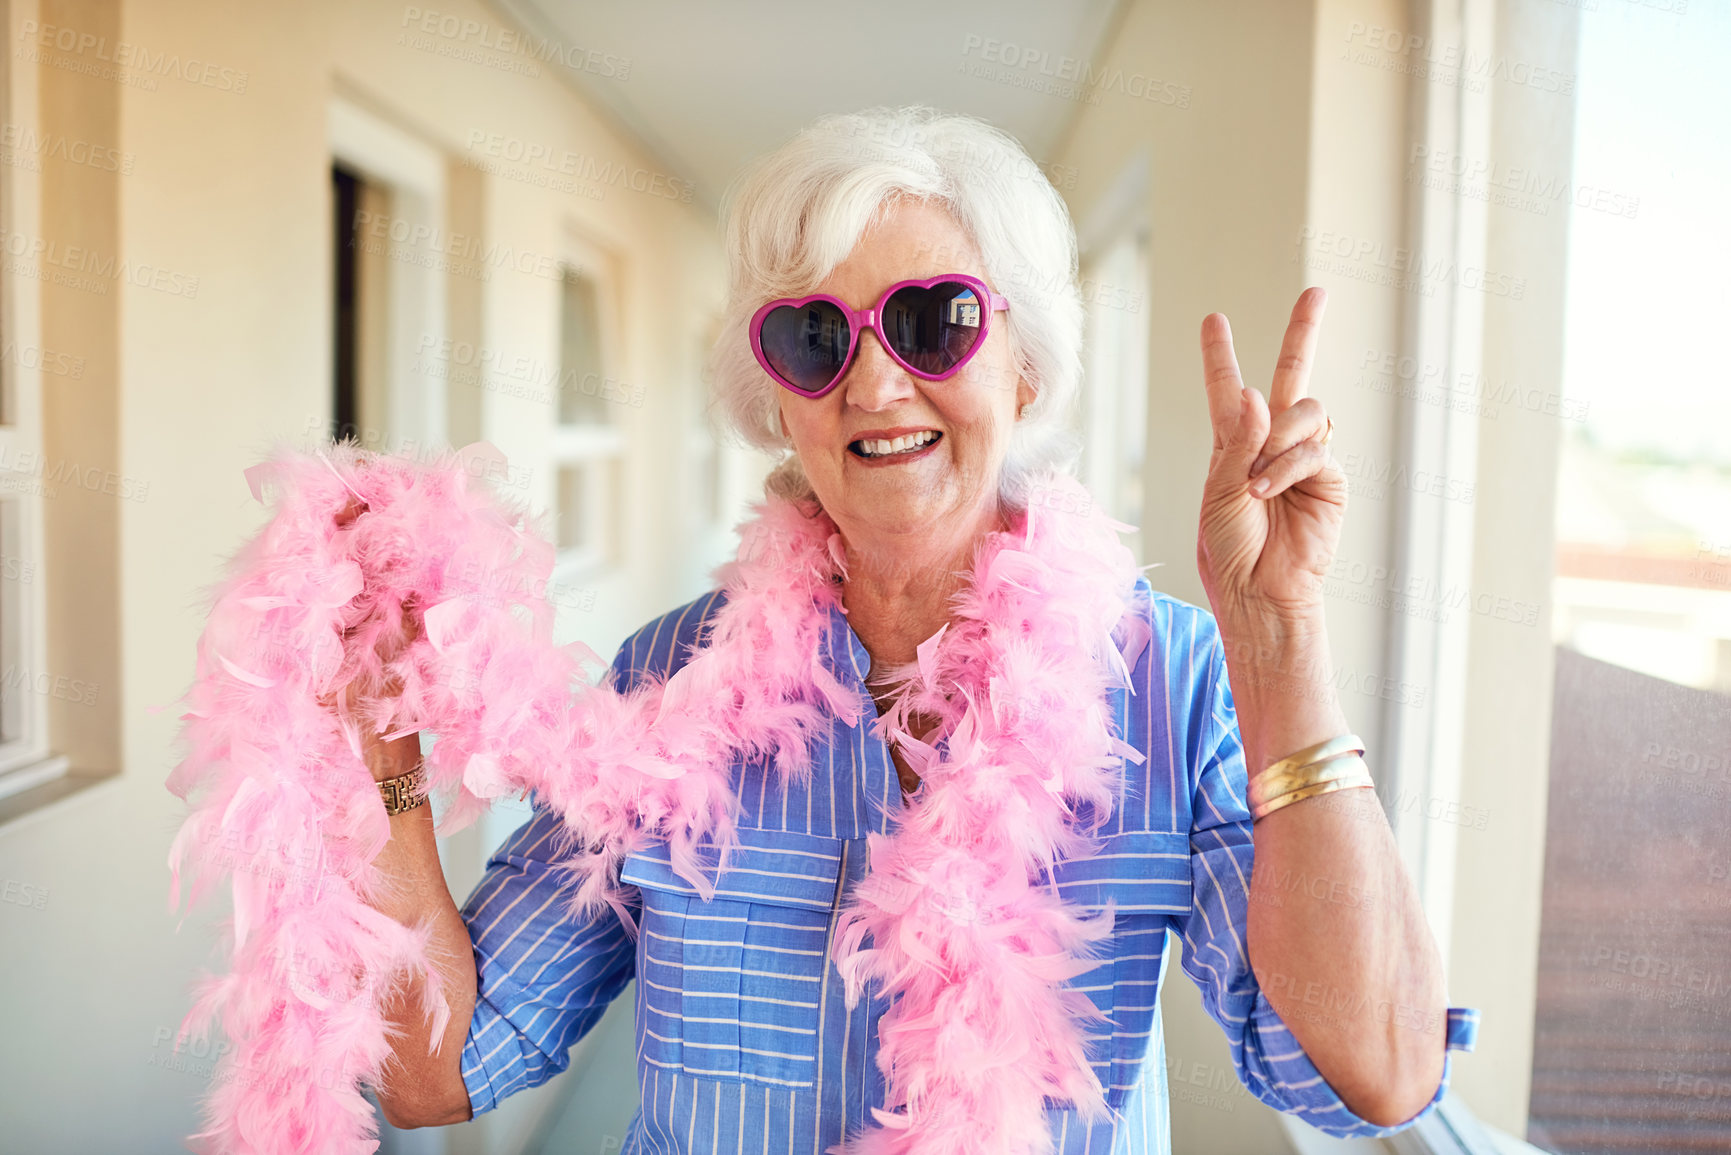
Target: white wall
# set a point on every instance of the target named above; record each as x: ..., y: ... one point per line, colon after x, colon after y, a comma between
x: 234, y: 188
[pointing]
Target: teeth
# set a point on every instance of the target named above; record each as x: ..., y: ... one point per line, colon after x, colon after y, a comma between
x: 881, y: 447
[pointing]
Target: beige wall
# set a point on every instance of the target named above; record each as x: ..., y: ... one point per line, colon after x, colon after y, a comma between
x: 1284, y: 132
x: 233, y: 188
x: 1288, y: 128
x: 1276, y: 136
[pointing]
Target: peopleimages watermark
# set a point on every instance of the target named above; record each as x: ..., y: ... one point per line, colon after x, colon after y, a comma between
x: 17, y: 569
x: 1317, y: 1001
x: 61, y: 687
x: 554, y: 162
x: 1711, y: 564
x: 1426, y: 58
x: 1045, y: 287
x: 1464, y: 390
x: 1707, y: 1089
x: 507, y: 49
x: 1670, y: 7
x: 1205, y: 1084
x: 1510, y: 186
x: 1065, y: 77
x: 26, y: 148
x: 85, y: 269
x: 1272, y: 889
x: 419, y: 450
x: 1676, y: 768
x: 877, y: 139
x: 517, y: 375
x: 46, y: 360
x: 19, y: 893
x: 133, y: 65
x: 1406, y: 802
x: 203, y: 1058
x: 1421, y: 596
x: 18, y: 466
x: 1668, y: 978
x: 1313, y: 679
x: 1371, y: 479
x: 501, y: 588
x: 1363, y: 259
x: 462, y: 254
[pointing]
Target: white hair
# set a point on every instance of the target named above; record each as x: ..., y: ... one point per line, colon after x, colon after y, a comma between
x: 797, y: 213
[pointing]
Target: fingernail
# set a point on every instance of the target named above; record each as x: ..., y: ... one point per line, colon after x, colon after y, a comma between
x: 1259, y: 487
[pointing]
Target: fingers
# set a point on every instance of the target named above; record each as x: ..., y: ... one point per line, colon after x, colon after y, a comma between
x: 352, y: 508
x: 1297, y: 350
x: 1305, y: 419
x: 1299, y: 464
x: 1221, y: 378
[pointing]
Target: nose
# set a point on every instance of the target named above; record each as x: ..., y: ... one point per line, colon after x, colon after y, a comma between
x: 874, y: 380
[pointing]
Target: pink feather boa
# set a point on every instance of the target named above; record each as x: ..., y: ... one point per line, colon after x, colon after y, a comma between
x: 951, y: 923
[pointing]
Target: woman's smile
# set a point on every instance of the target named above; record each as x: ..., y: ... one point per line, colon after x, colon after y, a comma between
x: 881, y: 447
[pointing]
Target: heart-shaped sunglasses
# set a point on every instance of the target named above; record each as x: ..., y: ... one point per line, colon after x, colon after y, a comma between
x: 931, y: 328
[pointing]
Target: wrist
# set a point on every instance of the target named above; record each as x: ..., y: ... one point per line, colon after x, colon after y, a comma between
x: 393, y: 758
x: 1273, y: 631
x: 1283, y: 688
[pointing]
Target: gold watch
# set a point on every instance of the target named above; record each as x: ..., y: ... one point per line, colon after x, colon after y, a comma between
x: 405, y: 791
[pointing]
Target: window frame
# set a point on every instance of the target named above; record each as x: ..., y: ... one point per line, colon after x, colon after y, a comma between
x: 26, y: 760
x: 599, y: 448
x: 413, y: 172
x: 1119, y: 221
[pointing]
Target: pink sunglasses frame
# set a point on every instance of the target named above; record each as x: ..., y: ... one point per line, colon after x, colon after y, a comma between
x: 859, y: 320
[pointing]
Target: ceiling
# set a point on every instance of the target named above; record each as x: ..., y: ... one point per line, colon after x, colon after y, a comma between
x: 713, y: 83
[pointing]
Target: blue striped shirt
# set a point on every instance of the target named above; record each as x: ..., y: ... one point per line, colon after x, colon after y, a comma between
x: 744, y: 1040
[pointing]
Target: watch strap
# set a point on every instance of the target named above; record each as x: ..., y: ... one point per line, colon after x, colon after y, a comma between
x: 406, y: 791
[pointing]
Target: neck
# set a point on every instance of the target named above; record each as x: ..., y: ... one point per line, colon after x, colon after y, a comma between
x: 899, y: 585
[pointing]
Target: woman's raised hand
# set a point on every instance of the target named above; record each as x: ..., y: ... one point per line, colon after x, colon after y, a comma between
x: 1274, y: 501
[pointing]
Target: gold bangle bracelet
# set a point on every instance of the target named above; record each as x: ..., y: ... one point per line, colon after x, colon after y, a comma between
x: 1347, y: 772
x: 1279, y: 780
x: 1341, y: 744
x: 1336, y: 758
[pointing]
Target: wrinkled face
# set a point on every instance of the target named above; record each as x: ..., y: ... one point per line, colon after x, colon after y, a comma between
x: 943, y: 485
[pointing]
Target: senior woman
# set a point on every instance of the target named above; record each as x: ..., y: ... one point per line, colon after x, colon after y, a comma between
x: 894, y: 335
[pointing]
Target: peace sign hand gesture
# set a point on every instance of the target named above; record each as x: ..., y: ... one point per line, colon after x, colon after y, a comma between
x: 1274, y: 501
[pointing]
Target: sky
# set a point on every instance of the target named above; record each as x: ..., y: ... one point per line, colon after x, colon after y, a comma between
x: 1648, y: 307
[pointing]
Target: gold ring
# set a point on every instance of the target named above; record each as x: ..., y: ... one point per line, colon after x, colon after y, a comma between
x: 1328, y: 432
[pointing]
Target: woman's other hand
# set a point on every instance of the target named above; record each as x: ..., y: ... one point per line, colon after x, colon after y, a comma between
x: 384, y: 759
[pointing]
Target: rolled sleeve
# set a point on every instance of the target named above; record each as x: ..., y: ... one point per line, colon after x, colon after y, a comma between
x: 1270, y: 1062
x: 543, y: 978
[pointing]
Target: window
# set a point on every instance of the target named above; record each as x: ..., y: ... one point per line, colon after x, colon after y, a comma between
x: 27, y: 683
x: 389, y: 283
x: 1634, y: 966
x: 588, y: 440
x: 1114, y: 241
x: 1115, y: 400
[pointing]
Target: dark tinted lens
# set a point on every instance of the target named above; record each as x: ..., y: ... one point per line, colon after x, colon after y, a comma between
x: 932, y: 329
x: 806, y: 345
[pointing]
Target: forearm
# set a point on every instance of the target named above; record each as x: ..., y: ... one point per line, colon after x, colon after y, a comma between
x: 421, y: 1089
x: 1336, y: 935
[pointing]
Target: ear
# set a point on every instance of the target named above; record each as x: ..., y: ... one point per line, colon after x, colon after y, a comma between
x: 1025, y: 396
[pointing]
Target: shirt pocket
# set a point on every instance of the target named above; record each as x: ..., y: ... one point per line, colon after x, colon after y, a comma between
x: 1146, y: 875
x: 733, y: 987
